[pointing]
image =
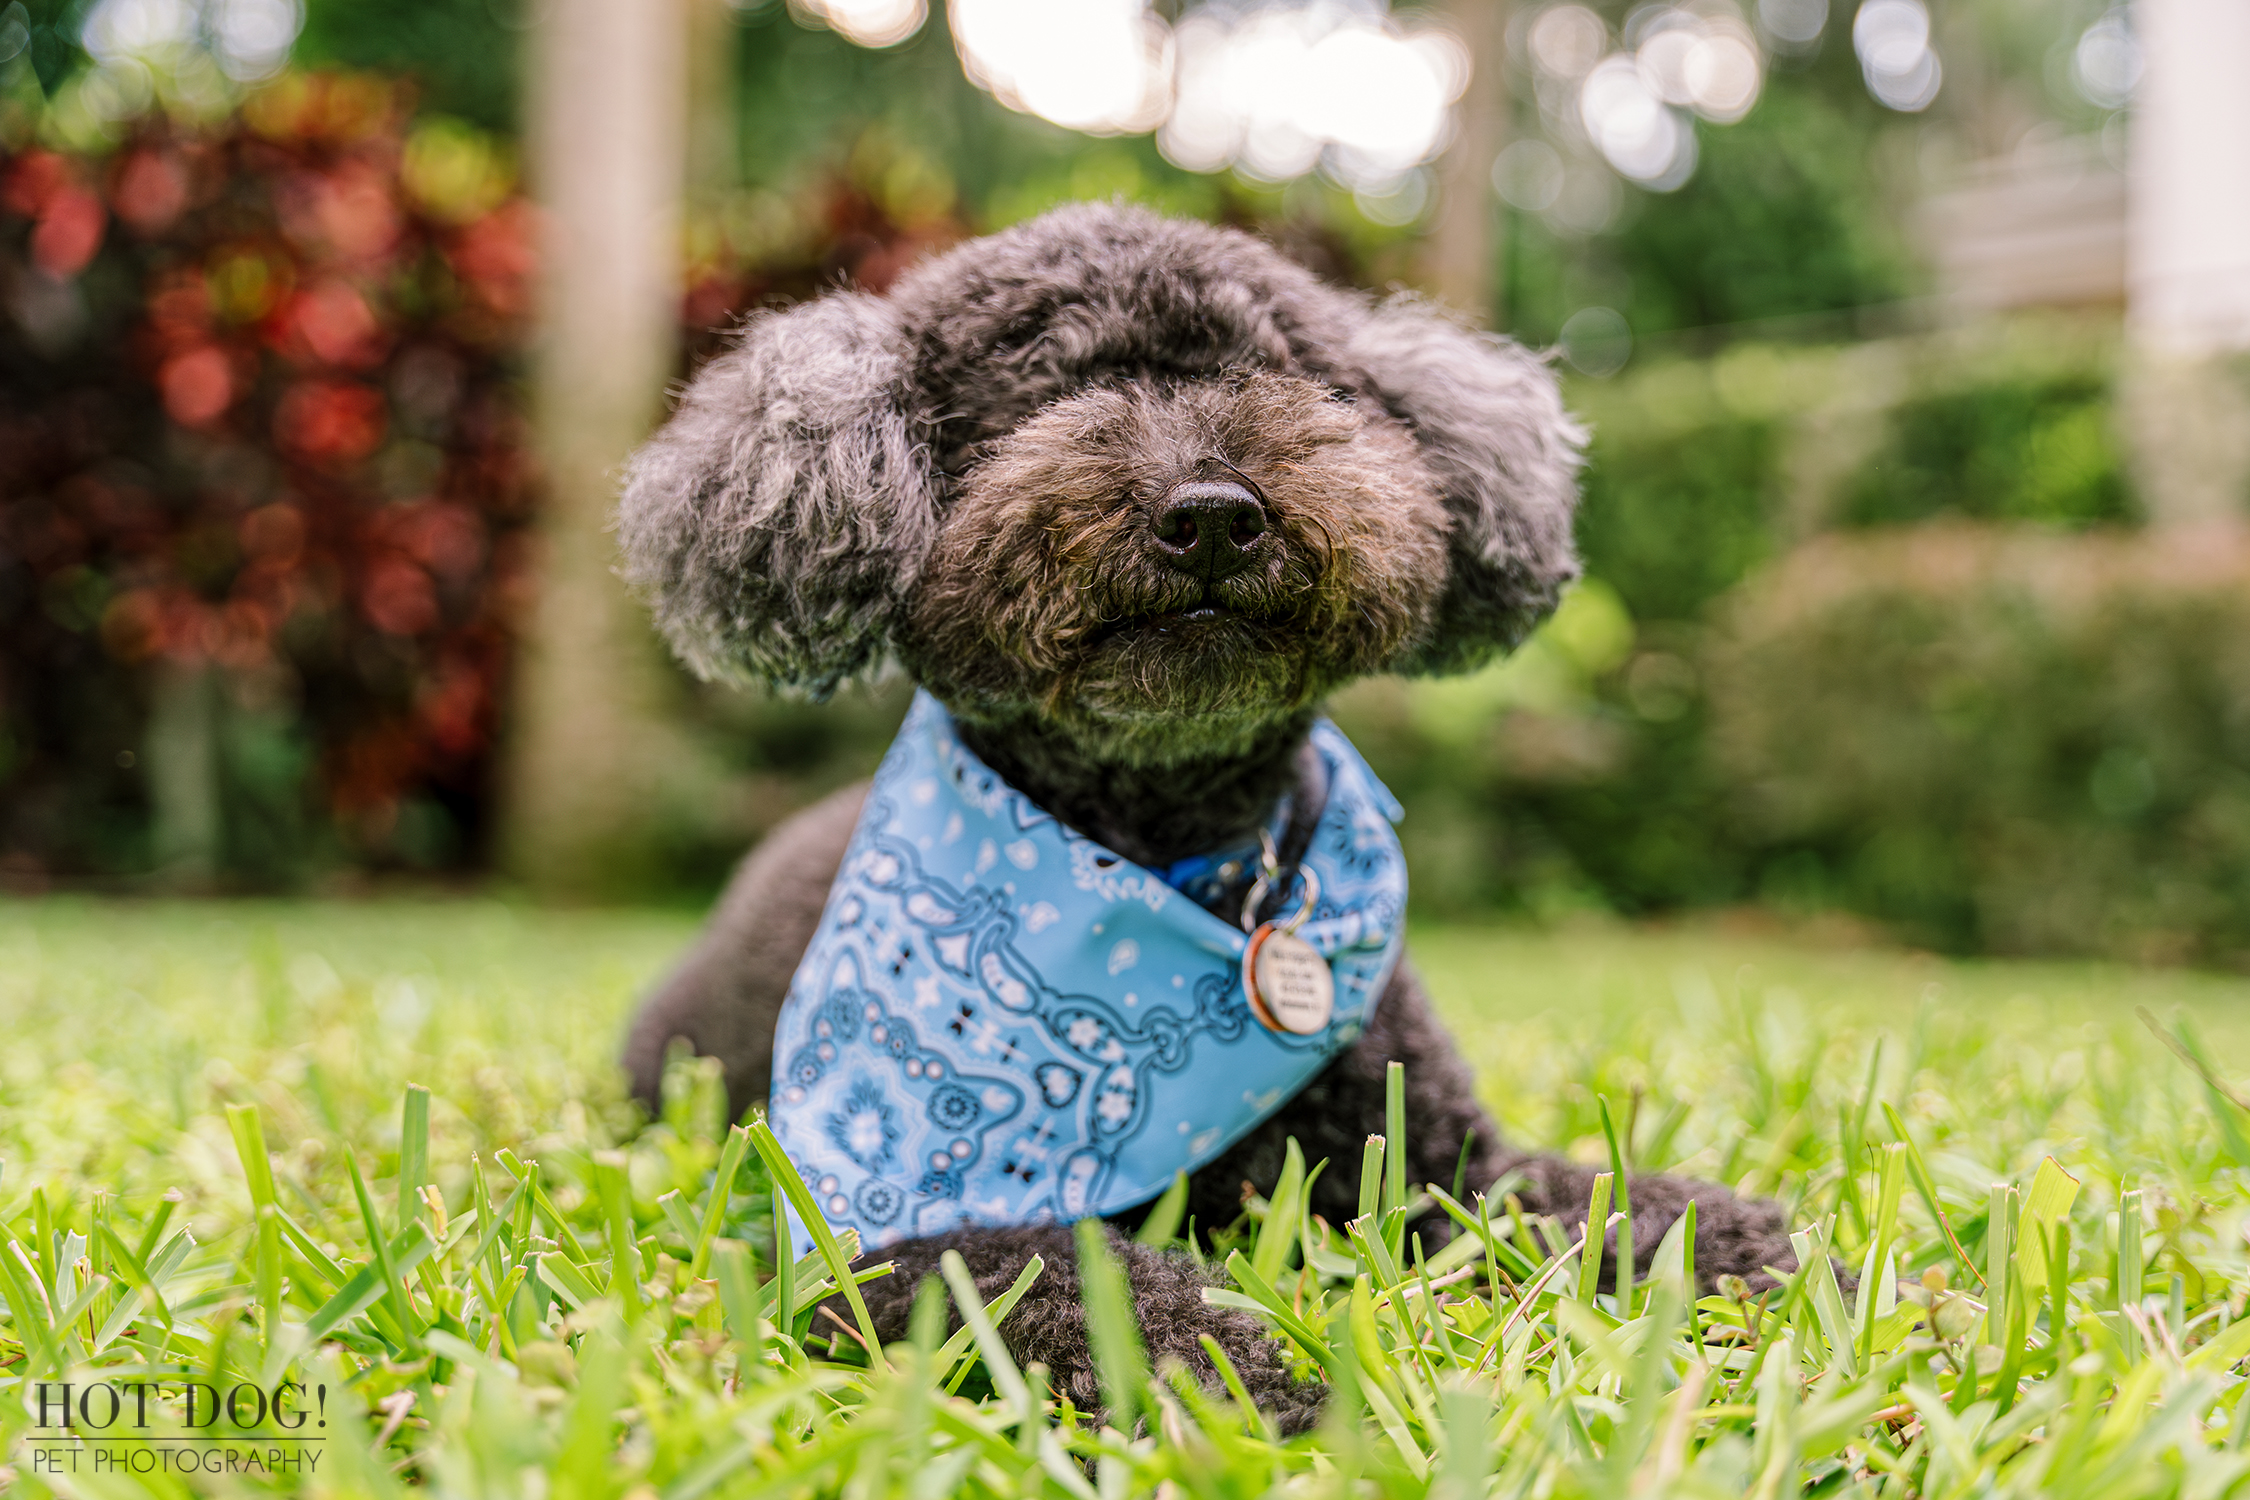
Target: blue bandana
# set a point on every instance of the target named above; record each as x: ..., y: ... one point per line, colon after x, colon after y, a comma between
x: 1001, y: 1022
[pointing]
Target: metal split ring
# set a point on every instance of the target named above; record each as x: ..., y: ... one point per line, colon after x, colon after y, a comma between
x: 1263, y: 885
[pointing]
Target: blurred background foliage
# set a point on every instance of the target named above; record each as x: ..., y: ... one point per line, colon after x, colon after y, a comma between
x: 266, y: 482
x: 1873, y: 619
x: 1784, y: 220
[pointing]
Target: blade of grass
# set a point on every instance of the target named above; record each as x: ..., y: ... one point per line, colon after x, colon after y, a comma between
x: 731, y: 1157
x: 784, y: 1284
x: 616, y: 1193
x: 480, y: 1204
x: 1368, y: 1242
x: 489, y: 1228
x: 2012, y: 1340
x: 79, y: 1305
x: 394, y: 1283
x: 1926, y: 1186
x: 1999, y: 1249
x: 1858, y: 1131
x: 413, y: 1151
x: 738, y: 1297
x: 364, y: 1286
x: 1597, y: 1231
x: 1394, y: 1154
x: 1465, y: 1457
x: 567, y: 1279
x: 250, y: 1145
x: 44, y: 1268
x: 1007, y: 1379
x: 27, y: 1314
x: 2129, y: 1273
x: 153, y: 1235
x: 1163, y: 1221
x: 784, y: 1175
x: 2058, y: 1283
x: 1247, y: 1278
x: 1827, y: 1296
x: 673, y: 1206
x: 1231, y: 1378
x: 2052, y: 1192
x: 1477, y: 1237
x: 1283, y: 1214
x: 267, y: 1259
x: 993, y: 1315
x: 137, y: 1272
x: 528, y: 1173
x: 1111, y: 1328
x: 1625, y: 1211
x: 1877, y: 1295
x: 1444, y: 1335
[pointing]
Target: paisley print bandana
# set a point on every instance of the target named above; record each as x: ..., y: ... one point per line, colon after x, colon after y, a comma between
x: 1001, y: 1022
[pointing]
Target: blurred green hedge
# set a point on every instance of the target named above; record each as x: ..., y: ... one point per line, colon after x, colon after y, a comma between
x: 2034, y: 447
x: 1999, y: 740
x: 1868, y: 628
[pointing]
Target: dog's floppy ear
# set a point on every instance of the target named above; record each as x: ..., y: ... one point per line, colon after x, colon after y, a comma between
x: 1490, y: 421
x: 778, y: 518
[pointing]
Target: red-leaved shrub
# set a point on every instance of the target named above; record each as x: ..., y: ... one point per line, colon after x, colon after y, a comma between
x: 264, y: 479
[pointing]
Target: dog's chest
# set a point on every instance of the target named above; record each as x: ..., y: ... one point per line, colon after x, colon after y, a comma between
x: 1002, y: 1022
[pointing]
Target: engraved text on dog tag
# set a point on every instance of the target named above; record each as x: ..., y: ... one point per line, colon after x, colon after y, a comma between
x: 1287, y: 982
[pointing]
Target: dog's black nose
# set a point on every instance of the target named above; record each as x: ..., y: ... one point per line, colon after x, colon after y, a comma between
x: 1207, y: 527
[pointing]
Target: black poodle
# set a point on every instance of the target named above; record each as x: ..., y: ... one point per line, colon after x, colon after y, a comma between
x: 1129, y: 497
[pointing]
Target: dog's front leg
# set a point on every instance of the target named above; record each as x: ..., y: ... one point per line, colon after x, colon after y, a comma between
x: 1332, y: 1117
x: 1449, y: 1136
x: 725, y: 996
x: 1048, y: 1325
x: 1733, y: 1236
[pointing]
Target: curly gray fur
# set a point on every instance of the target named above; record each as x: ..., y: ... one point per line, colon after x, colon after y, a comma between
x: 1048, y: 1324
x: 779, y: 517
x: 973, y: 475
x: 779, y: 523
x: 1491, y: 424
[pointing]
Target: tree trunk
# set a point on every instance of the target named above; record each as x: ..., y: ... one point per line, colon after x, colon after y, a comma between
x: 593, y: 763
x: 187, y: 815
x: 1464, y: 251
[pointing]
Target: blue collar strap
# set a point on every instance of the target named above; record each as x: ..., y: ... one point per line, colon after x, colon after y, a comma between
x: 1001, y: 1022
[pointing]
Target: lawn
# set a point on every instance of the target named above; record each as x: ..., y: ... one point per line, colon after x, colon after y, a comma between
x: 211, y: 1173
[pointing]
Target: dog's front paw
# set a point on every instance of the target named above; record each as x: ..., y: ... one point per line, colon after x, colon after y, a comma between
x: 1734, y: 1236
x: 1048, y: 1325
x: 1168, y: 1292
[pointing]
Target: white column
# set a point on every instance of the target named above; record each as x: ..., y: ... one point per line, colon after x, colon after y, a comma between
x: 2186, y: 396
x: 2188, y: 242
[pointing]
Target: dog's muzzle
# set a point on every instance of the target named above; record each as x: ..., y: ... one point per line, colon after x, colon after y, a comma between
x: 1209, y: 529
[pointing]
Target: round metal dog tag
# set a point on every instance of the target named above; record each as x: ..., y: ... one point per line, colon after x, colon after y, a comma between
x: 1287, y: 982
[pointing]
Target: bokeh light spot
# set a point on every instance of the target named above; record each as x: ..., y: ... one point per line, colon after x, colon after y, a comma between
x: 1100, y: 66
x: 871, y: 23
x: 1892, y: 38
x: 1597, y: 341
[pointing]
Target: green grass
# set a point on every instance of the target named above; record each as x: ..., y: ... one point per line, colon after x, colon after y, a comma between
x: 188, y: 1093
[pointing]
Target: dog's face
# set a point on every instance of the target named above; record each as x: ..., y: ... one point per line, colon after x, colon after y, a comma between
x: 1143, y: 481
x: 1149, y: 558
